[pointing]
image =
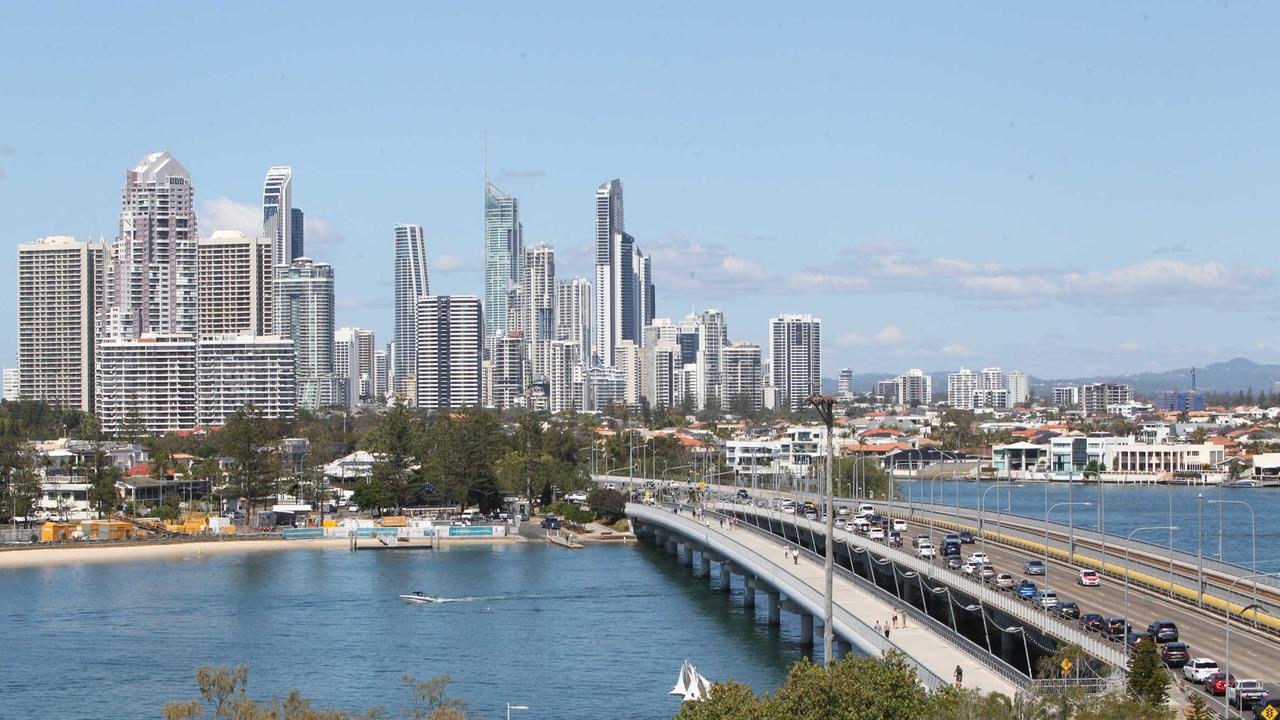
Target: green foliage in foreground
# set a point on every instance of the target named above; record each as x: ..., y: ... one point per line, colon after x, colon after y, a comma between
x: 222, y: 696
x: 863, y: 688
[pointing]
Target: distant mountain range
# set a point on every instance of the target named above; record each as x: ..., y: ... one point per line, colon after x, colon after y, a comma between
x: 1235, y: 375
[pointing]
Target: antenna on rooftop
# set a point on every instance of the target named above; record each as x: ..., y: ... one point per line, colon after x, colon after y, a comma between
x: 1193, y: 379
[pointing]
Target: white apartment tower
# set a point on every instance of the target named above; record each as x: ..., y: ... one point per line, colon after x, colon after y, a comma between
x: 147, y: 383
x: 795, y: 358
x: 844, y: 386
x: 60, y: 290
x: 304, y: 313
x: 508, y: 370
x: 713, y: 335
x: 277, y: 213
x: 353, y: 363
x: 411, y: 285
x: 151, y: 276
x: 240, y: 371
x: 1066, y: 396
x: 1019, y: 387
x: 573, y: 314
x: 450, y: 330
x: 962, y: 385
x: 235, y: 279
x: 565, y: 376
x: 915, y: 388
x: 617, y: 309
x: 741, y: 377
x: 503, y: 256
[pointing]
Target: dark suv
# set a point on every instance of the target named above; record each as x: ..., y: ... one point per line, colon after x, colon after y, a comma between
x: 1175, y: 654
x: 1163, y: 631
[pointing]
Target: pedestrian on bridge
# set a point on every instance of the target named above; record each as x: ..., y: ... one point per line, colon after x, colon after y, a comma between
x: 878, y: 630
x: 959, y: 677
x: 786, y: 552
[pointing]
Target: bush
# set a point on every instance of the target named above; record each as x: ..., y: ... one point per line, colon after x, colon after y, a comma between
x: 167, y: 513
x: 609, y: 505
x: 622, y: 526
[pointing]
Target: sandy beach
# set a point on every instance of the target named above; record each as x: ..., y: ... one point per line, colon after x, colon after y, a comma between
x: 87, y: 553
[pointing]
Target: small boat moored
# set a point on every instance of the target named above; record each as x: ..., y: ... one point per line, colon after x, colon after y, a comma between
x: 419, y: 597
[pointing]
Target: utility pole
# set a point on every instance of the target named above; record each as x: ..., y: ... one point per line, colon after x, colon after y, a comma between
x: 825, y: 405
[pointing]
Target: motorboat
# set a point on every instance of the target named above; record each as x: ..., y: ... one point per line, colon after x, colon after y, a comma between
x: 419, y: 597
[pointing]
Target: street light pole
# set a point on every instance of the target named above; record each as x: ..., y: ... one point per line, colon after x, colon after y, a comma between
x: 1046, y: 536
x: 1253, y: 532
x: 1127, y: 542
x: 1200, y: 549
x: 825, y: 406
x: 982, y: 513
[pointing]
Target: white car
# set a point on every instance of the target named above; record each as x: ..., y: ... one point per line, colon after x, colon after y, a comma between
x: 1047, y: 599
x: 1088, y: 578
x: 971, y: 567
x: 1246, y: 692
x: 980, y: 558
x: 842, y: 509
x: 1197, y: 669
x: 866, y: 509
x: 876, y: 533
x: 899, y: 525
x: 925, y: 550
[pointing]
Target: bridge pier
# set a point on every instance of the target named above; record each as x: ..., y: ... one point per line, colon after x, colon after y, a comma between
x: 704, y: 564
x: 806, y: 629
x: 687, y: 560
x: 749, y: 593
x: 724, y: 576
x: 840, y: 648
x: 775, y: 608
x: 672, y: 549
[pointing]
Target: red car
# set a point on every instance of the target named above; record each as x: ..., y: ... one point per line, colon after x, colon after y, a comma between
x: 1216, y: 684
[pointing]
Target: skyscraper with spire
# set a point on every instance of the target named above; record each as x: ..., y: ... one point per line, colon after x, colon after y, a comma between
x: 503, y: 256
x: 277, y: 213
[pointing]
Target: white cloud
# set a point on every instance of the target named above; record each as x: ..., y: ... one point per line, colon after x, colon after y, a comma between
x: 222, y: 213
x: 450, y: 263
x: 690, y: 266
x: 318, y: 233
x: 1129, y: 347
x: 741, y: 267
x: 888, y: 336
x: 955, y: 349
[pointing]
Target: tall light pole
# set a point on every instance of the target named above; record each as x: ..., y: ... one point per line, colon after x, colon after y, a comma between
x: 1226, y: 617
x: 825, y: 405
x: 1127, y: 542
x: 1046, y: 535
x: 982, y: 513
x: 1253, y: 532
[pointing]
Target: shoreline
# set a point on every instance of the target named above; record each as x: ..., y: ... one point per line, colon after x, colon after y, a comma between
x: 186, y: 549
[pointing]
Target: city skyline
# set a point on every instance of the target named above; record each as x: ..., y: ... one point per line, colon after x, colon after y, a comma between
x: 1067, y: 232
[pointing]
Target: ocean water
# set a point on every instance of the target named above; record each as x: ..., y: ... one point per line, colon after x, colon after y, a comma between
x: 593, y: 633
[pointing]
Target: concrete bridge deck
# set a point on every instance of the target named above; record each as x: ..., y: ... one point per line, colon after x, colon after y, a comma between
x: 858, y: 609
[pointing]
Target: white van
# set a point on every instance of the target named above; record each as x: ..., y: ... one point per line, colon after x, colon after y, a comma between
x: 865, y: 509
x: 469, y: 516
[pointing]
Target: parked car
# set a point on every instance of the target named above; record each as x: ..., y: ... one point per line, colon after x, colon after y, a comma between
x: 1003, y: 580
x: 979, y: 557
x: 1197, y: 670
x: 1216, y: 684
x: 926, y: 551
x: 954, y: 562
x: 1033, y: 567
x: 1244, y: 693
x: 1175, y: 654
x: 1088, y: 578
x: 1094, y: 621
x: 1068, y: 609
x: 550, y: 522
x: 966, y: 537
x: 1163, y: 631
x: 1026, y: 589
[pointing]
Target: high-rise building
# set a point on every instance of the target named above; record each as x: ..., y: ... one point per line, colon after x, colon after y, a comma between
x: 507, y: 376
x: 741, y: 377
x: 147, y: 384
x: 381, y: 372
x: 450, y: 344
x: 353, y: 363
x: 1019, y: 387
x: 12, y: 384
x: 713, y: 334
x: 565, y: 377
x: 646, y: 295
x: 277, y: 213
x: 915, y: 388
x: 991, y: 378
x: 1098, y: 397
x: 661, y: 385
x: 60, y: 290
x: 844, y: 386
x: 302, y: 298
x: 795, y: 358
x: 606, y: 387
x: 411, y: 285
x: 503, y: 256
x: 961, y: 387
x: 888, y: 390
x: 151, y: 278
x: 539, y: 280
x: 235, y: 282
x: 617, y: 307
x: 1066, y: 395
x: 297, y: 233
x: 630, y: 361
x: 233, y: 372
x: 573, y: 314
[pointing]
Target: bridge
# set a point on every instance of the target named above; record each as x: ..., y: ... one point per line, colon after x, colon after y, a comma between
x: 1018, y: 633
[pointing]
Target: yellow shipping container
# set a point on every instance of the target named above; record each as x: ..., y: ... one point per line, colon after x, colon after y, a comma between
x: 330, y: 523
x: 57, y: 532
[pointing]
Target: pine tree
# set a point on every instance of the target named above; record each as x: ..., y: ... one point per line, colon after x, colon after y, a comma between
x: 1148, y: 680
x: 1196, y: 709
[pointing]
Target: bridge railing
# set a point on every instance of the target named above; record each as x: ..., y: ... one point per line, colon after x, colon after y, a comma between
x: 984, y: 657
x: 764, y: 567
x: 1014, y: 608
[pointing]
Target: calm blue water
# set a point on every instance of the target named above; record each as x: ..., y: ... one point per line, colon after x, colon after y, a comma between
x: 1126, y: 508
x: 599, y: 632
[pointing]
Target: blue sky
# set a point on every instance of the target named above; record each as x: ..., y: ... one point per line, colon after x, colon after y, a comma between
x: 1074, y: 190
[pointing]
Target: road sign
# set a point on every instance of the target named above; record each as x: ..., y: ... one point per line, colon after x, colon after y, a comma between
x: 1270, y: 712
x: 1066, y: 666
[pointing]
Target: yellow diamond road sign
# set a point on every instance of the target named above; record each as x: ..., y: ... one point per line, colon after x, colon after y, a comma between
x: 1066, y: 668
x: 1270, y: 712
